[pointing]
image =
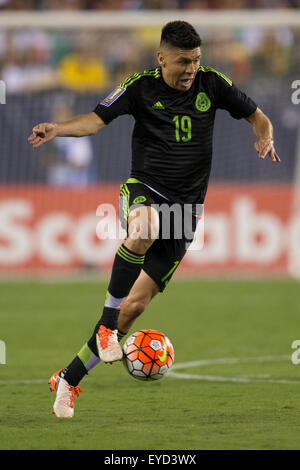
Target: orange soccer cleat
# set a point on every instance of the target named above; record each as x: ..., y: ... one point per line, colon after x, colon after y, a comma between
x: 109, y: 348
x: 65, y: 394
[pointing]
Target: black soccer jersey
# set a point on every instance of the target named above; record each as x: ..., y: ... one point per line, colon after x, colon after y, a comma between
x: 173, y: 132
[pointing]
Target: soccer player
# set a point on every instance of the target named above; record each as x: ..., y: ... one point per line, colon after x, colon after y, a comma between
x: 174, y: 107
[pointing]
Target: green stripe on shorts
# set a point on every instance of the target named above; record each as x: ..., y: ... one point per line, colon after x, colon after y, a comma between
x: 130, y: 257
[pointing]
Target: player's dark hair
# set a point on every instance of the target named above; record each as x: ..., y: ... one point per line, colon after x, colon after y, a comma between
x: 180, y: 34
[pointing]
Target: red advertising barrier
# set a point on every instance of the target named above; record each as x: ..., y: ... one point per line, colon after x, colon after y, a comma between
x: 247, y: 229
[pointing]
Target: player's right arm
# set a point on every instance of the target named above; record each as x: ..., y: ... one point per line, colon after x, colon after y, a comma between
x: 118, y: 102
x: 79, y: 126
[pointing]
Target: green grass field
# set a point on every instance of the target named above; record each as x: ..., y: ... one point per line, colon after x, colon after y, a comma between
x: 251, y: 402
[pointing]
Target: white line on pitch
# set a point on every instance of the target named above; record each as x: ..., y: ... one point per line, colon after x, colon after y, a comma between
x: 23, y: 382
x: 217, y: 378
x: 230, y: 360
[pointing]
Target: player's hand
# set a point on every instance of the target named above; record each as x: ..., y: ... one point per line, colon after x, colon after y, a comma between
x: 42, y: 133
x: 266, y: 147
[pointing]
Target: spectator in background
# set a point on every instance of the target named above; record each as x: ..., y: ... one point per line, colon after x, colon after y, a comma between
x: 69, y: 162
x: 26, y: 62
x: 218, y: 51
x: 126, y: 51
x: 240, y: 64
x: 83, y: 69
x: 274, y: 54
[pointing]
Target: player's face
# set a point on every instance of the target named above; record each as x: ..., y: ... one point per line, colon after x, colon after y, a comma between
x: 179, y: 66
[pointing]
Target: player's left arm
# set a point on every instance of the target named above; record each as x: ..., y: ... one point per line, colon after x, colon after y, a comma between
x: 263, y: 129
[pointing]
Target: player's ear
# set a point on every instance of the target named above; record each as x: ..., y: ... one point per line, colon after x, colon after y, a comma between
x: 160, y: 58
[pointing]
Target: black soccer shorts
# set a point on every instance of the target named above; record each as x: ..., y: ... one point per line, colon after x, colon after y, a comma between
x: 176, y: 230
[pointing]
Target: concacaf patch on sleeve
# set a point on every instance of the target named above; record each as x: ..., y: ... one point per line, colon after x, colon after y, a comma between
x: 113, y: 96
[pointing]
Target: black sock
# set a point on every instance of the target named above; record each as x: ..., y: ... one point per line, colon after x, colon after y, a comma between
x: 121, y: 335
x: 109, y: 318
x: 126, y: 269
x: 74, y: 372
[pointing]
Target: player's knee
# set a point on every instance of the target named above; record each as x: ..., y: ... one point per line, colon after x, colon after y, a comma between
x: 138, y: 245
x: 143, y: 224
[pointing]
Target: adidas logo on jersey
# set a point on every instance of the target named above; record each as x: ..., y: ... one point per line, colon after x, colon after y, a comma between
x: 158, y: 105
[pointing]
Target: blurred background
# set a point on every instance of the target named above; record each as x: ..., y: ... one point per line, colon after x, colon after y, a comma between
x: 55, y: 63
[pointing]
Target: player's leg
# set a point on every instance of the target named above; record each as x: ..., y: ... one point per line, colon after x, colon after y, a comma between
x: 141, y: 294
x: 139, y: 297
x: 65, y: 382
x: 143, y: 228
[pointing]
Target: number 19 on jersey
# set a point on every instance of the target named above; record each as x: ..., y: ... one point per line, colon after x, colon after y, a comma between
x: 183, y: 128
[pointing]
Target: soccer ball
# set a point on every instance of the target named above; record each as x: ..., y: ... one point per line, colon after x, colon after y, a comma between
x: 148, y: 355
